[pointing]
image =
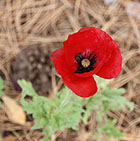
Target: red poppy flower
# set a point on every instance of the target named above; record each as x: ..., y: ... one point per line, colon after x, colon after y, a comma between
x: 85, y: 53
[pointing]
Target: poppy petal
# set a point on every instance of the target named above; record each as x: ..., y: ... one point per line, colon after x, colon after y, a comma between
x: 83, y: 87
x: 113, y: 66
x: 57, y: 58
x: 88, y: 39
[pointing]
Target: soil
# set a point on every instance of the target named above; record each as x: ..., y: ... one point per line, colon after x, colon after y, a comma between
x: 33, y: 64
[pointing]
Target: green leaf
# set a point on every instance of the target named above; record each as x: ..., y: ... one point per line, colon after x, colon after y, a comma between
x: 110, y: 130
x: 1, y: 87
x: 27, y: 88
x: 109, y: 91
x: 67, y: 109
x: 37, y: 126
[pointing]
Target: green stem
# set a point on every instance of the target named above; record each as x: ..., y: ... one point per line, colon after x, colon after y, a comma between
x: 64, y: 102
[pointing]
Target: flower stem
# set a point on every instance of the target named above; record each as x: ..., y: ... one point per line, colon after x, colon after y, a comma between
x: 64, y: 102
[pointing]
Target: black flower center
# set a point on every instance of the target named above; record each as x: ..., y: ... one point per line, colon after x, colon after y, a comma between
x: 86, y: 62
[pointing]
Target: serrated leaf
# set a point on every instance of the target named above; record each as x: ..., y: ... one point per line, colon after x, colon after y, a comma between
x: 28, y: 107
x: 37, y: 126
x: 119, y: 102
x: 27, y: 88
x: 110, y: 130
x: 47, y: 101
x: 109, y: 91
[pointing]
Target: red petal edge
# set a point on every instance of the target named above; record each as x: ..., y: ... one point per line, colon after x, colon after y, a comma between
x: 113, y: 66
x: 83, y: 87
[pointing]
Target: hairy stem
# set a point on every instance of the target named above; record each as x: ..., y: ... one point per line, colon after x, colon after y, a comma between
x: 64, y: 102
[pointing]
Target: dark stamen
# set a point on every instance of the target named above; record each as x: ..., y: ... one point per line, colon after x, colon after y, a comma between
x: 79, y: 57
x: 82, y: 65
x: 93, y: 60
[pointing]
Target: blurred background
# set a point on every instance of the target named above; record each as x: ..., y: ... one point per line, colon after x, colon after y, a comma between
x: 31, y: 29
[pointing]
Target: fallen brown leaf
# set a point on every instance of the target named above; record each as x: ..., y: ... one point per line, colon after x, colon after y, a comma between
x: 14, y: 111
x: 9, y: 138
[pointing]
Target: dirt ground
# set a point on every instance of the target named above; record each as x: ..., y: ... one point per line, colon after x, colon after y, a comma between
x: 47, y: 23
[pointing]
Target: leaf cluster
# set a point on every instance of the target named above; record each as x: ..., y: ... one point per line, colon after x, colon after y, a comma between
x: 51, y: 115
x: 65, y: 110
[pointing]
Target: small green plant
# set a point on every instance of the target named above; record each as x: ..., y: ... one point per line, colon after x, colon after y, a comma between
x: 64, y: 111
x: 51, y: 115
x: 1, y: 89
